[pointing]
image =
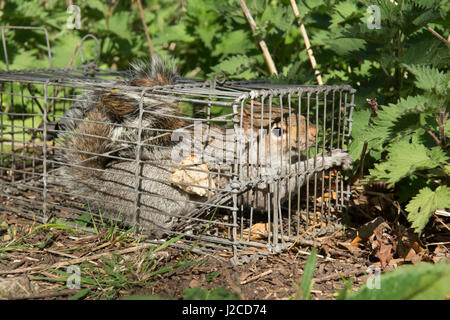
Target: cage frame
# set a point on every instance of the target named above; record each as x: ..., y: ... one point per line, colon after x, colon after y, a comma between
x: 76, y: 77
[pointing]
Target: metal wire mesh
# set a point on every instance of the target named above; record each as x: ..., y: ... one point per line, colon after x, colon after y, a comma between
x: 253, y: 212
x: 241, y: 168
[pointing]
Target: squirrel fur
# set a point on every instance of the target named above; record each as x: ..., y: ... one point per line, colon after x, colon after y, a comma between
x: 100, y: 134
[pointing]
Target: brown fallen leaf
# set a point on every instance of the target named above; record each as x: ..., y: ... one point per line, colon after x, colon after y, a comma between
x: 355, y: 242
x: 383, y: 243
x: 385, y: 254
x: 257, y: 231
x: 441, y: 253
x: 367, y: 229
x: 354, y: 250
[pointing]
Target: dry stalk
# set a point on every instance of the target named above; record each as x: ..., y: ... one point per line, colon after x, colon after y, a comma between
x: 262, y: 44
x: 307, y: 43
x: 149, y: 40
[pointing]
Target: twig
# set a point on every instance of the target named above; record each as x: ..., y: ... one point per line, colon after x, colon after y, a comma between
x: 307, y: 43
x: 262, y: 44
x: 306, y: 253
x: 442, y: 120
x: 442, y: 222
x: 257, y: 277
x: 437, y: 243
x: 62, y: 254
x: 149, y: 40
x: 442, y: 213
x: 432, y: 135
x: 301, y: 236
x: 437, y: 35
x: 74, y: 55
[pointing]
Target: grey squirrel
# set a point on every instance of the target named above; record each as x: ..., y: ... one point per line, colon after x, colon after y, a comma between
x: 101, y: 164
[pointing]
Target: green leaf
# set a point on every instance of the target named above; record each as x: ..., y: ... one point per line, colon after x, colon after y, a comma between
x: 177, y: 33
x: 25, y: 60
x: 306, y: 283
x: 423, y: 281
x: 398, y: 120
x: 235, y: 42
x: 64, y: 49
x: 360, y: 124
x: 211, y: 276
x: 207, y: 33
x: 239, y: 67
x: 404, y: 158
x: 422, y: 206
x: 169, y: 242
x: 83, y: 219
x: 343, y: 11
x: 97, y: 4
x: 345, y: 46
x: 447, y: 128
x: 80, y: 294
x: 430, y: 79
x: 118, y: 23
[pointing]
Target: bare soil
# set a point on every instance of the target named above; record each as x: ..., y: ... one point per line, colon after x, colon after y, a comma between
x: 34, y: 255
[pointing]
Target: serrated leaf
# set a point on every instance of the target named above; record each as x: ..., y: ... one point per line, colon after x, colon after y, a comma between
x: 97, y: 4
x: 422, y: 206
x: 174, y: 33
x: 64, y: 49
x: 398, y: 120
x: 235, y: 42
x: 233, y: 65
x: 206, y: 33
x: 343, y: 11
x: 423, y: 281
x: 429, y: 78
x: 438, y: 155
x: 118, y: 23
x: 25, y: 60
x: 404, y: 158
x: 345, y: 46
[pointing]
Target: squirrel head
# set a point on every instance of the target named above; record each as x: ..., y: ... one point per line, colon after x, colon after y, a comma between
x: 283, y: 134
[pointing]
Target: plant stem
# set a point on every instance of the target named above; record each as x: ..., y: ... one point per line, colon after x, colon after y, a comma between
x: 262, y: 44
x: 147, y: 35
x: 307, y: 43
x: 437, y: 35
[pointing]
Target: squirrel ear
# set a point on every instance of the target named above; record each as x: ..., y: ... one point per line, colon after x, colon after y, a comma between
x: 246, y: 118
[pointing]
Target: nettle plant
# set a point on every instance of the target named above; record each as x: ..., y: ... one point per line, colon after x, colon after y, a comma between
x: 406, y: 70
x: 414, y: 132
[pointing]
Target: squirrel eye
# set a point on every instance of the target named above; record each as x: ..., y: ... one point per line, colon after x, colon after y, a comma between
x: 276, y: 132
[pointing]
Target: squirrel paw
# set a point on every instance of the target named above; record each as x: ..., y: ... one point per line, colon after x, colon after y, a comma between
x: 341, y: 158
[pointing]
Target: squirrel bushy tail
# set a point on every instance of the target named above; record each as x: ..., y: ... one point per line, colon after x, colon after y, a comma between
x: 95, y: 130
x: 117, y: 105
x: 100, y: 137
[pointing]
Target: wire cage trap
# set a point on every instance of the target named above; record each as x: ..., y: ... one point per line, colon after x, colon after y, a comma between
x: 240, y: 167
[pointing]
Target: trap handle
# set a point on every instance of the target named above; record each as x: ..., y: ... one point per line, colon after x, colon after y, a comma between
x: 5, y: 50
